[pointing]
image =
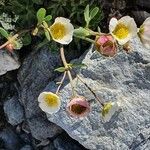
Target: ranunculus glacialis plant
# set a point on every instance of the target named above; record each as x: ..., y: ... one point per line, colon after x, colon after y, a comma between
x: 49, y: 102
x: 144, y: 33
x: 123, y: 30
x: 62, y: 30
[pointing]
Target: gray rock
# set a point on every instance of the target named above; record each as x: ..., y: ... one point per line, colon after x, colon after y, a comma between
x: 50, y: 146
x: 10, y: 139
x: 26, y: 147
x: 26, y: 138
x: 126, y: 78
x: 14, y: 111
x: 36, y: 71
x: 64, y: 142
x: 7, y: 62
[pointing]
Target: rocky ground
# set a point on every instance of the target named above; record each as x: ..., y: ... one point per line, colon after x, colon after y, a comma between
x: 23, y: 126
x: 124, y: 78
x: 30, y: 129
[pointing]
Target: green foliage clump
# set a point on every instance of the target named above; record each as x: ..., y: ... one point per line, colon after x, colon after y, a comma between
x: 74, y: 10
x: 26, y: 10
x: 22, y: 14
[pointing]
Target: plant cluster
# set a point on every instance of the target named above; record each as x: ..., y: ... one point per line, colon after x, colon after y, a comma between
x: 17, y: 15
x: 62, y: 31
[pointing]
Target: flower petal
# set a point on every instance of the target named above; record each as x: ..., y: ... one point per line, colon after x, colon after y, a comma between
x: 66, y: 40
x: 112, y: 108
x: 146, y: 43
x: 45, y: 106
x: 66, y: 28
x: 62, y: 20
x: 112, y: 24
x: 69, y: 36
x: 124, y: 41
x: 147, y: 21
x: 130, y: 23
x: 125, y: 22
x: 146, y: 32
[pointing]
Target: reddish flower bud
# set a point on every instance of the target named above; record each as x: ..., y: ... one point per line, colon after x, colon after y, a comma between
x: 78, y: 107
x: 106, y: 45
x: 10, y: 47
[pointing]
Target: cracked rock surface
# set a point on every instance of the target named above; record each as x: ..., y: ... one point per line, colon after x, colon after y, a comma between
x: 37, y: 69
x: 35, y: 73
x: 126, y: 78
x: 7, y: 62
x: 14, y: 111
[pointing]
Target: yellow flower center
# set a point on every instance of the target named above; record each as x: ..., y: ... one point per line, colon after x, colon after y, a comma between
x: 121, y: 31
x: 58, y: 31
x: 51, y: 100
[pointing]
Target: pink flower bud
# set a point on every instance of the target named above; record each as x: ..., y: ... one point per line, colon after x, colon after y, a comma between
x: 106, y: 45
x: 78, y: 107
x: 10, y: 47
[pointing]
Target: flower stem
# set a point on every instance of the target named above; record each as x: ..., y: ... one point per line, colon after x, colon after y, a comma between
x: 94, y: 33
x: 85, y: 38
x: 61, y: 82
x: 9, y: 41
x: 96, y: 97
x: 67, y: 70
x: 13, y: 38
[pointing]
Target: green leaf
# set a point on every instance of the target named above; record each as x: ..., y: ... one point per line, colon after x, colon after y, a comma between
x: 48, y: 18
x: 60, y: 69
x: 47, y: 35
x: 41, y: 15
x: 17, y: 44
x: 4, y: 33
x: 26, y: 40
x: 81, y: 32
x: 94, y: 12
x: 77, y: 65
x: 86, y: 14
x: 38, y: 2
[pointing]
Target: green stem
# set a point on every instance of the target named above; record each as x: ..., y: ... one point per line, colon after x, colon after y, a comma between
x: 85, y: 38
x: 61, y: 82
x: 96, y: 97
x: 10, y: 40
x: 94, y: 33
x: 68, y: 71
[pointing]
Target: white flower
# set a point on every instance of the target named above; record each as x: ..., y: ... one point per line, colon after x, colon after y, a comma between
x: 123, y: 29
x: 62, y: 30
x: 49, y: 102
x: 144, y: 33
x: 109, y: 109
